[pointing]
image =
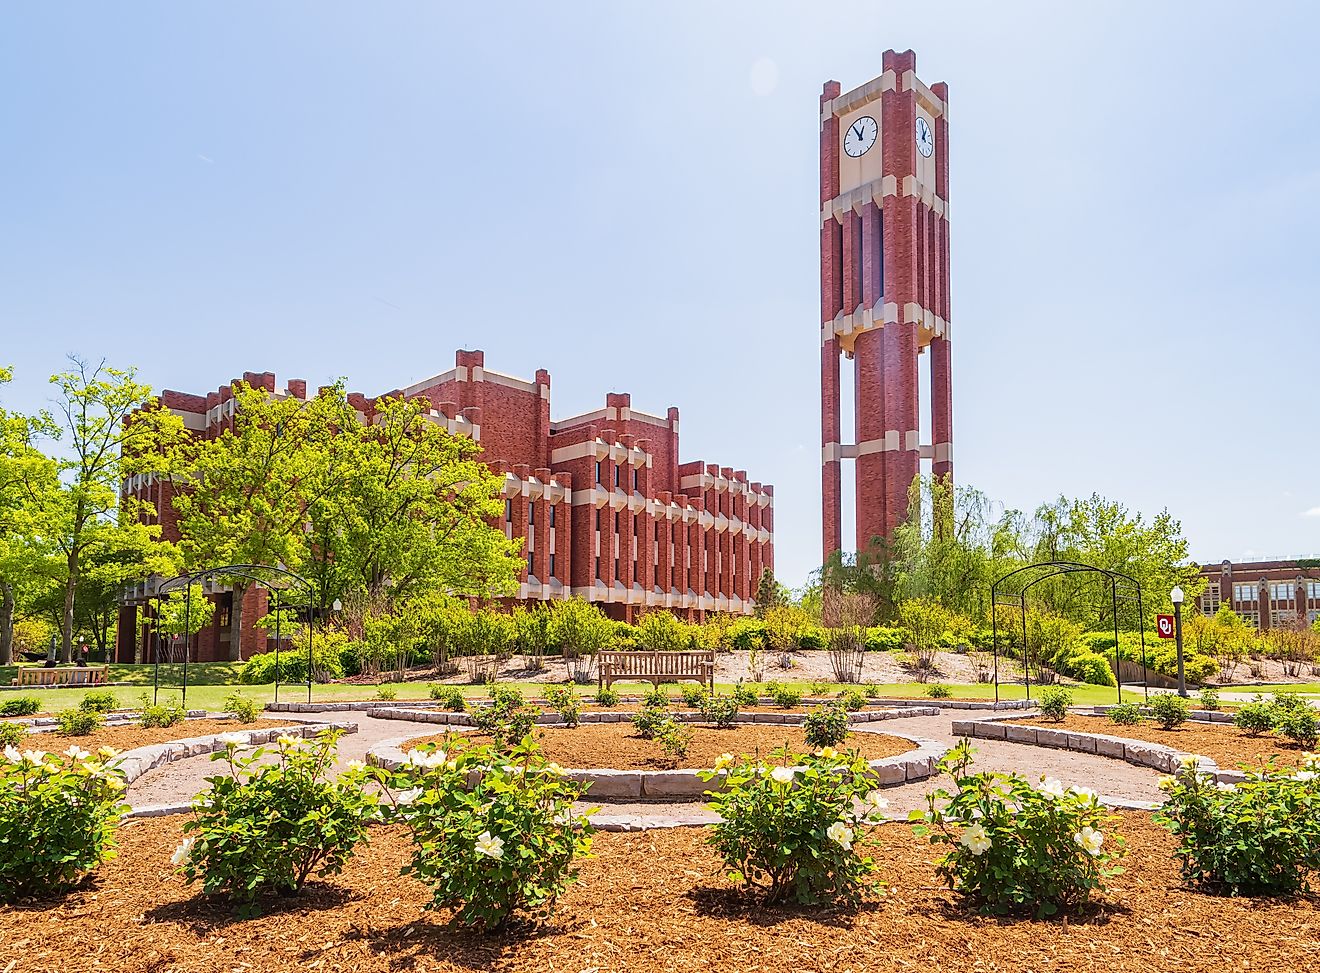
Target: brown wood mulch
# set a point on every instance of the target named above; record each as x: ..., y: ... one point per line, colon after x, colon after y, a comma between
x: 131, y: 735
x: 649, y: 901
x: 617, y: 746
x: 1225, y: 744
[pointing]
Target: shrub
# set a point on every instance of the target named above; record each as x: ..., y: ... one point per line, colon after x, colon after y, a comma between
x: 57, y: 818
x: 507, y: 697
x: 606, y: 697
x: 812, y: 637
x: 720, y: 710
x: 674, y: 738
x: 1089, y: 667
x: 650, y: 721
x: 1015, y: 847
x: 13, y: 734
x: 1256, y: 717
x: 1169, y: 710
x: 852, y: 699
x: 784, y: 696
x: 871, y: 690
x: 1054, y: 703
x: 1259, y: 837
x: 792, y: 829
x: 449, y: 697
x: 271, y: 825
x: 386, y: 692
x: 566, y: 702
x: 20, y: 706
x: 1288, y: 702
x: 98, y: 701
x: 937, y: 690
x: 241, y: 708
x: 327, y: 661
x: 745, y: 695
x: 1299, y: 725
x: 884, y: 639
x: 76, y: 722
x: 162, y: 714
x: 693, y: 695
x: 492, y: 837
x: 505, y: 719
x: 1209, y: 698
x: 826, y: 726
x: 656, y: 697
x: 1124, y: 714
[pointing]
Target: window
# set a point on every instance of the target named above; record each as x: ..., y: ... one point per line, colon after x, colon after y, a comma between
x: 1244, y: 593
x: 597, y: 472
x: 552, y: 561
x: 552, y: 515
x: 616, y: 475
x: 1281, y: 592
x: 531, y: 515
x: 1313, y: 589
x: 597, y: 567
x: 508, y: 510
x: 635, y: 478
x: 617, y: 572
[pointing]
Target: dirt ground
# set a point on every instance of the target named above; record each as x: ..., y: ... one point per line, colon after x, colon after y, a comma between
x: 130, y: 736
x: 648, y: 902
x: 1225, y: 745
x: 618, y: 746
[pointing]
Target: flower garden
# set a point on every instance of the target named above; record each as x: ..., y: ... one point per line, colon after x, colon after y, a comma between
x: 480, y: 848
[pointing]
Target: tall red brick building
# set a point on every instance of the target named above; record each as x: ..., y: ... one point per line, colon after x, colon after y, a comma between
x: 1267, y: 594
x: 606, y: 509
x: 884, y: 286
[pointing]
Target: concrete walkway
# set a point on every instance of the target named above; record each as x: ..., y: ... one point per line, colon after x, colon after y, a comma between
x: 177, y: 782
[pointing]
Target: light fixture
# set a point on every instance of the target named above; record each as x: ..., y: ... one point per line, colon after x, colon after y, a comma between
x: 1176, y: 595
x: 337, y: 604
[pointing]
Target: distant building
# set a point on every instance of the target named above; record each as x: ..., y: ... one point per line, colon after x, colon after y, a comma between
x: 606, y: 509
x: 1267, y: 594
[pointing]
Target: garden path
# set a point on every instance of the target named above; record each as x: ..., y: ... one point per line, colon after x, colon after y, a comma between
x: 176, y: 783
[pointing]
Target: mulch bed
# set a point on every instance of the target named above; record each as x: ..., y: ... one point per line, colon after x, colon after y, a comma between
x: 648, y: 902
x: 131, y: 735
x: 1225, y: 744
x: 618, y: 746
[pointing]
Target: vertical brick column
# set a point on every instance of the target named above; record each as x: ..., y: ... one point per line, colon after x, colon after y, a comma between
x: 831, y: 303
x: 565, y: 542
x: 519, y: 502
x: 697, y: 578
x: 541, y: 530
x: 472, y: 393
x: 664, y: 544
x: 627, y: 523
x: 543, y: 417
x: 941, y: 382
x: 584, y: 540
x: 768, y: 522
x: 726, y: 575
x: 682, y: 575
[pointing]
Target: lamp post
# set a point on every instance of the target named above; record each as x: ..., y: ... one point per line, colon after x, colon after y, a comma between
x: 1176, y: 596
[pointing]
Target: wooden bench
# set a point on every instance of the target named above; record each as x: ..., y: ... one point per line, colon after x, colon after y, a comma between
x: 75, y: 676
x: 657, y: 667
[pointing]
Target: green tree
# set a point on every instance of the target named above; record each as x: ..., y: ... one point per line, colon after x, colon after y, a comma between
x: 769, y: 593
x: 105, y: 439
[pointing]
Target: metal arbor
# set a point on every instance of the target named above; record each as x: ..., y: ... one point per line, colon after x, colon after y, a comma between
x: 247, y: 571
x: 1122, y: 587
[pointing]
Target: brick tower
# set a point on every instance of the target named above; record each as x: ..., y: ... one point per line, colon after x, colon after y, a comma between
x: 884, y: 290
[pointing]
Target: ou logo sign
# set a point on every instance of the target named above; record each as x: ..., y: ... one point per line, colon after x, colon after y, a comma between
x: 1164, y: 626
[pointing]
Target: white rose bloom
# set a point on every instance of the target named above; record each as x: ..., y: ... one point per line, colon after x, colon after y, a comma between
x: 77, y: 752
x: 554, y: 768
x: 284, y: 740
x: 875, y: 804
x: 356, y: 765
x: 782, y: 775
x: 1051, y: 787
x: 408, y: 796
x: 1087, y: 795
x: 490, y: 846
x: 426, y: 761
x: 1188, y: 762
x: 1224, y: 788
x: 13, y: 755
x: 840, y: 834
x: 1305, y: 775
x: 35, y: 756
x: 723, y: 760
x: 233, y: 739
x: 182, y: 852
x: 975, y: 840
x: 1089, y: 840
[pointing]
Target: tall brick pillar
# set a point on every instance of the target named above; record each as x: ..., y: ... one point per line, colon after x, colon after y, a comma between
x: 831, y: 303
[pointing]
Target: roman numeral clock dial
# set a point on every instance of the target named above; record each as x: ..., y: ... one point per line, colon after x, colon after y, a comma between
x: 925, y: 138
x: 860, y: 136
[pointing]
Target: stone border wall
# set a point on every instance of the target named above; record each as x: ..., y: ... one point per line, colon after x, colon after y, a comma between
x: 42, y: 724
x: 1138, y: 752
x: 372, y: 705
x: 416, y: 715
x: 917, y: 764
x: 1195, y: 715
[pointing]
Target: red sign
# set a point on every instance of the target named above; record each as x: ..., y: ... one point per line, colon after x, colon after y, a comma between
x: 1164, y: 626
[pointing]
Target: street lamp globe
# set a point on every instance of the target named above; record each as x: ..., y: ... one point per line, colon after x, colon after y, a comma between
x: 1176, y: 595
x: 337, y: 604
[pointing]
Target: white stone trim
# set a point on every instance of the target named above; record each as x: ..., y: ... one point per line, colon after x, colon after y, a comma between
x: 859, y: 97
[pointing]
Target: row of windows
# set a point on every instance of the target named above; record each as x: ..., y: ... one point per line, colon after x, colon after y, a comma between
x: 531, y: 513
x: 618, y: 477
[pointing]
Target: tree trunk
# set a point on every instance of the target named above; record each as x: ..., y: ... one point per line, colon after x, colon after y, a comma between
x: 6, y: 624
x: 66, y: 629
x: 236, y: 623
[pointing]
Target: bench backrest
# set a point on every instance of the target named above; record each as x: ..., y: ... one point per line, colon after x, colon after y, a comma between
x: 81, y: 676
x: 657, y: 663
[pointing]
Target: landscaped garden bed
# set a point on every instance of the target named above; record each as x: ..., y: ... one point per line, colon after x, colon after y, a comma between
x: 1227, y: 745
x: 656, y: 900
x: 619, y: 746
x: 131, y: 735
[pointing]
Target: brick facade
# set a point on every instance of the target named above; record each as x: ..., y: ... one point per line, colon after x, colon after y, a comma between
x: 604, y: 507
x: 1268, y: 594
x: 884, y: 295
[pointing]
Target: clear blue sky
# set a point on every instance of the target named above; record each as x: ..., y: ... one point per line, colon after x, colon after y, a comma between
x: 615, y: 190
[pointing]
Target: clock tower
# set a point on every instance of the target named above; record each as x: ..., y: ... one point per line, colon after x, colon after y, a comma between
x: 884, y: 291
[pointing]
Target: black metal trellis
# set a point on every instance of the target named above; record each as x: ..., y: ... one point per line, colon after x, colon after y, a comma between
x: 247, y: 571
x: 1116, y: 579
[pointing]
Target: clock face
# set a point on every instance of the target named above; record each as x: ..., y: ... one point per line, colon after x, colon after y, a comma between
x: 925, y: 138
x: 860, y: 136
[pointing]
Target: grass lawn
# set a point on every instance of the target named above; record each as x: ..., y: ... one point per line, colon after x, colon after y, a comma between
x: 209, y: 683
x: 1309, y: 688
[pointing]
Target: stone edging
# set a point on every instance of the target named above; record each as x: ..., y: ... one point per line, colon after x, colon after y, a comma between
x: 1195, y: 715
x: 1138, y: 752
x: 415, y: 715
x: 43, y: 724
x: 140, y: 760
x: 902, y: 768
x: 373, y: 705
